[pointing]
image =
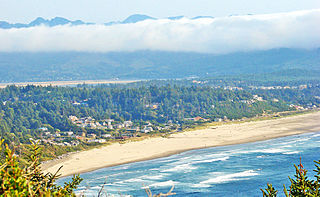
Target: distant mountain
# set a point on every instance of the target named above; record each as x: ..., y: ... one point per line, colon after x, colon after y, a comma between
x: 137, y: 18
x: 41, y: 21
x: 63, y: 21
x: 175, y: 17
x: 199, y: 17
x: 17, y: 67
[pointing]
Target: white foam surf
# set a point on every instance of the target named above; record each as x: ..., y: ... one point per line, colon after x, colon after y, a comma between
x: 230, y: 177
x: 211, y: 160
x: 164, y: 184
x: 291, y: 153
x: 182, y: 167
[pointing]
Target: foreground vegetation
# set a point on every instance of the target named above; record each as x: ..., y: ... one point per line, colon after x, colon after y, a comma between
x: 301, y: 185
x: 30, y: 180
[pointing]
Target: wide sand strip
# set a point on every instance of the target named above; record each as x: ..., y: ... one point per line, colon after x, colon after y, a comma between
x: 226, y: 134
x: 68, y: 83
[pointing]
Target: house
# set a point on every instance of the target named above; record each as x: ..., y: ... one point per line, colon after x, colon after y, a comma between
x: 66, y: 144
x: 107, y: 135
x: 194, y: 119
x: 92, y: 125
x: 258, y: 98
x: 133, y: 130
x: 218, y: 119
x: 197, y: 118
x: 119, y: 126
x: 73, y: 118
x: 80, y: 137
x: 126, y: 135
x: 127, y: 123
x: 43, y: 129
x: 69, y: 133
x: 92, y: 135
x: 108, y: 121
x: 75, y: 143
x: 147, y: 130
x: 148, y: 123
x: 90, y: 119
x: 154, y: 106
x: 101, y: 141
x: 57, y: 135
x: 97, y: 140
x: 297, y: 107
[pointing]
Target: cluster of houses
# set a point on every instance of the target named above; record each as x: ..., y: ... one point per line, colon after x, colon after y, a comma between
x: 58, y: 138
x: 198, y: 118
x: 126, y: 129
x: 300, y: 87
x: 89, y: 122
x: 83, y: 102
x: 254, y: 99
x: 111, y: 124
x: 69, y: 138
x: 112, y: 128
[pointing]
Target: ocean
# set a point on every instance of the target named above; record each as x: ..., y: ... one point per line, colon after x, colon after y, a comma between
x: 236, y: 170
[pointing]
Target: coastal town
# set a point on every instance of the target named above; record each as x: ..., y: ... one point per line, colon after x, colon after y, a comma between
x: 109, y: 129
x: 102, y: 131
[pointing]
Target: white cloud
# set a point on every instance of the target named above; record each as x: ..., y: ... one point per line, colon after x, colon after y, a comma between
x: 219, y: 35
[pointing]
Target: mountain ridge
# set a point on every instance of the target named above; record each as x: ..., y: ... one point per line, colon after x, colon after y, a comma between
x: 63, y: 21
x: 59, y: 66
x: 41, y: 21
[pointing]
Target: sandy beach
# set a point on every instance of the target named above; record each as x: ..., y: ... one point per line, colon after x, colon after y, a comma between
x: 226, y: 134
x: 68, y: 83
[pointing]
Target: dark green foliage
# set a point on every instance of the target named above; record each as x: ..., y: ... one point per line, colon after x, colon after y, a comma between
x: 301, y: 185
x: 269, y: 191
x: 23, y: 110
x: 30, y: 180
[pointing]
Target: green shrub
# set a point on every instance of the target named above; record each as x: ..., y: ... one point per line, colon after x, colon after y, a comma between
x: 30, y: 180
x: 301, y: 185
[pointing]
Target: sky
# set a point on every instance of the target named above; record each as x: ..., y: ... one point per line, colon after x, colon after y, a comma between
x: 254, y: 25
x: 100, y: 11
x: 220, y: 35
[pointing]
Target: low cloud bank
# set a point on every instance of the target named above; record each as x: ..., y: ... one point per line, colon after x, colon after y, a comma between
x: 218, y: 35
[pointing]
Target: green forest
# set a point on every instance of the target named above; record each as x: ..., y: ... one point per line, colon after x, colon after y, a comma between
x: 25, y: 110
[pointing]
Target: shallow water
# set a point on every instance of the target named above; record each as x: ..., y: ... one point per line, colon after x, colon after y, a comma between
x: 237, y: 170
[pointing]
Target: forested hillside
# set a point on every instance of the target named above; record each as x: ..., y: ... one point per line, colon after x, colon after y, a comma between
x: 48, y: 66
x: 25, y: 110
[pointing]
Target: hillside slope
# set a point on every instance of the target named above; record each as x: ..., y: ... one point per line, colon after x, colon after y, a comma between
x: 20, y: 67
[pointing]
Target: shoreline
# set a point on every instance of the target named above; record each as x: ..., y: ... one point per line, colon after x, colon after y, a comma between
x: 68, y: 83
x: 158, y: 147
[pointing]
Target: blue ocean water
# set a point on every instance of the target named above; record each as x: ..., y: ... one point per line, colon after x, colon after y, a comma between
x: 237, y: 170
